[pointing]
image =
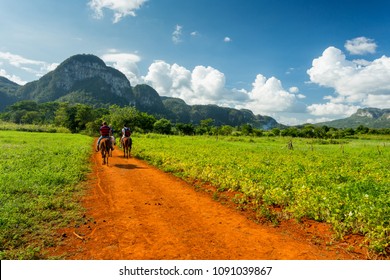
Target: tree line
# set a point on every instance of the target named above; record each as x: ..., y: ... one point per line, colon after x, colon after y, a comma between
x: 81, y: 118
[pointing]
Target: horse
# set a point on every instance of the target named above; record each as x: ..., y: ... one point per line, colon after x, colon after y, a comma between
x: 126, y: 144
x: 105, y: 148
x: 113, y: 143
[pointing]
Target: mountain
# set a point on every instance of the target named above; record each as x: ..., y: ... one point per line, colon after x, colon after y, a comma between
x: 221, y: 115
x: 86, y: 79
x: 82, y: 78
x: 368, y: 117
x: 147, y: 100
x: 7, y: 91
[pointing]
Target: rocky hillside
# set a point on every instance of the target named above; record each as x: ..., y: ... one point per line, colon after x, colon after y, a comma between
x: 369, y: 117
x: 181, y: 112
x: 81, y: 79
x: 7, y: 91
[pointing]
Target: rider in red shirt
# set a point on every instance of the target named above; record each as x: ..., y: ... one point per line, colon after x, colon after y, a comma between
x: 105, y: 132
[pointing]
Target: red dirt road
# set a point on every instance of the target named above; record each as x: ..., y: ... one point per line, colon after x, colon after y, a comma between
x: 135, y: 211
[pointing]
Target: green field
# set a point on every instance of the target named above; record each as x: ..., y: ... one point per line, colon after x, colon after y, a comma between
x: 345, y: 183
x: 39, y: 183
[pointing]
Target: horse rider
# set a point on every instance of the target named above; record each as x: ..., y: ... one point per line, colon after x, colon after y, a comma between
x: 126, y: 132
x: 105, y: 132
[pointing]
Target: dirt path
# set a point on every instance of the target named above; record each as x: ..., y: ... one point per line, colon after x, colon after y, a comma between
x: 135, y: 211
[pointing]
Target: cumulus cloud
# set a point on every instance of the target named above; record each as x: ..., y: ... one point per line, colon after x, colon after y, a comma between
x: 268, y: 95
x: 176, y: 35
x: 360, y: 45
x: 126, y: 63
x: 356, y: 82
x: 121, y: 8
x: 202, y: 85
x: 332, y: 109
x: 207, y: 85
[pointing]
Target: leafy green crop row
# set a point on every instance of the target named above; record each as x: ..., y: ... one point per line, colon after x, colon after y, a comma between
x: 344, y: 184
x: 39, y: 173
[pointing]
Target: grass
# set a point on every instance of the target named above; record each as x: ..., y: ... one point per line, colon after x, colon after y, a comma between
x: 39, y: 184
x: 345, y: 183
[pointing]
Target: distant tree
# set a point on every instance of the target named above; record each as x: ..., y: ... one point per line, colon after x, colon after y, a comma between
x: 83, y: 115
x: 205, y: 125
x: 257, y: 132
x: 163, y: 126
x: 361, y: 129
x: 31, y: 117
x: 246, y: 129
x: 226, y: 130
x: 66, y: 116
x: 185, y: 128
x: 118, y: 116
x: 308, y: 131
x: 145, y: 121
x: 349, y: 132
x: 275, y: 131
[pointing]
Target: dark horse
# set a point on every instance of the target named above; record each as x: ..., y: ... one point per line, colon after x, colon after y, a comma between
x: 126, y: 144
x: 105, y: 148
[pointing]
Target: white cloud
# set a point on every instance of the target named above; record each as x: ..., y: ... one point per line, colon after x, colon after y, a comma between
x: 207, y: 85
x: 364, y: 83
x: 121, y: 8
x: 202, y: 85
x: 360, y: 45
x: 12, y: 78
x: 195, y: 34
x: 176, y: 35
x: 332, y: 109
x: 126, y: 63
x: 36, y: 67
x: 268, y: 95
x: 227, y: 39
x: 293, y: 89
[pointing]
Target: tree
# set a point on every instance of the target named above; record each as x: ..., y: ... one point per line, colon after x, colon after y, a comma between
x: 118, y: 116
x: 66, y: 116
x: 361, y: 129
x: 145, y: 121
x: 247, y: 129
x: 226, y: 130
x: 205, y: 125
x: 185, y: 128
x: 163, y: 126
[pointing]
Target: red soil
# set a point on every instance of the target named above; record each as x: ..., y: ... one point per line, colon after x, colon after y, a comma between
x: 135, y: 211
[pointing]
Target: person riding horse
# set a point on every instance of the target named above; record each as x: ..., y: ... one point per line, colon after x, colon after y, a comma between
x: 126, y: 132
x: 105, y: 132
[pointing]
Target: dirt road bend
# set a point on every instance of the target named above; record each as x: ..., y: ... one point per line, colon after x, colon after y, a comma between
x: 135, y: 211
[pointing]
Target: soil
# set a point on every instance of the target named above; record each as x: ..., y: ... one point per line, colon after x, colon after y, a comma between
x: 137, y: 212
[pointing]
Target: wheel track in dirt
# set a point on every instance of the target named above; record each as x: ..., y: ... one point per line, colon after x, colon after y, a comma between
x: 135, y: 211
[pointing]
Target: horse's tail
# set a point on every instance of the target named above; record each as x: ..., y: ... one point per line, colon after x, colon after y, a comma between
x: 103, y: 146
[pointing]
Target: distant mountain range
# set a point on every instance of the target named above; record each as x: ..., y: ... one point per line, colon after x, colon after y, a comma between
x: 368, y: 117
x: 86, y: 79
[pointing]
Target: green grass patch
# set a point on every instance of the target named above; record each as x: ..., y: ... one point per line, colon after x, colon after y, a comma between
x: 39, y: 182
x: 33, y: 127
x: 344, y: 183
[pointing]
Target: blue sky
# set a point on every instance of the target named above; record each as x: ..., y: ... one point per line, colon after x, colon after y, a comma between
x: 297, y: 61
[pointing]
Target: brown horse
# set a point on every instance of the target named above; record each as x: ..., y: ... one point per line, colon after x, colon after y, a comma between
x: 105, y: 147
x: 126, y: 144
